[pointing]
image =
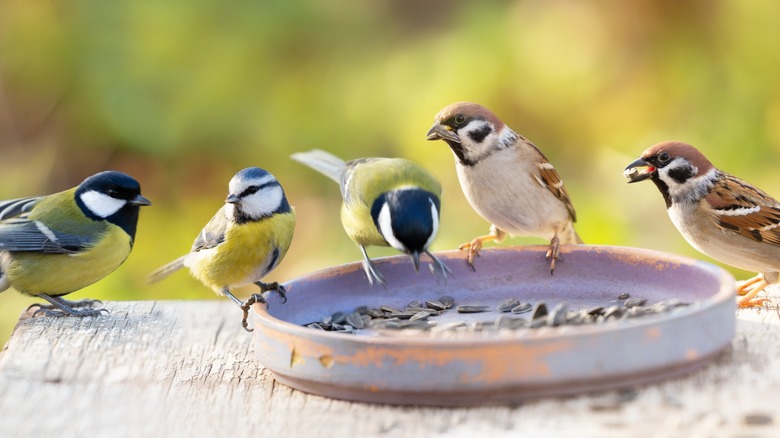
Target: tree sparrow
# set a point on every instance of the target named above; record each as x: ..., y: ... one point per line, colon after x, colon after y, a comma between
x: 719, y: 214
x: 506, y: 179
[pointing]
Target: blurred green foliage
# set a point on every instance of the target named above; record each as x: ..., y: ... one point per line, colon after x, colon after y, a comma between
x: 183, y: 93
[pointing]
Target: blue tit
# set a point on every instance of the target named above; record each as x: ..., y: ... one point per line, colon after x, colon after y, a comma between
x: 53, y: 245
x: 387, y: 202
x: 244, y: 241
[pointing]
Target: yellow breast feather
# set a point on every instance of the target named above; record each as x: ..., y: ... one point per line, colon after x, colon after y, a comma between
x: 249, y: 252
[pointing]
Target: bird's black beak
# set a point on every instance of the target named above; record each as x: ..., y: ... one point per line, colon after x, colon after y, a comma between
x: 441, y: 132
x: 232, y: 199
x: 415, y: 260
x: 140, y: 201
x: 639, y: 170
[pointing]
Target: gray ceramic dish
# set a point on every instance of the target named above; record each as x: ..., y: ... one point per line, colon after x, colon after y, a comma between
x: 492, y: 367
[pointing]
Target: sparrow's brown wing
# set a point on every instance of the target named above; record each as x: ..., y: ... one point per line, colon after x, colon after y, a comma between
x: 742, y: 208
x: 549, y: 178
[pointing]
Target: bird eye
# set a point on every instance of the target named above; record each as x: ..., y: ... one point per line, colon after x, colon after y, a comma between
x: 459, y: 119
x: 663, y: 157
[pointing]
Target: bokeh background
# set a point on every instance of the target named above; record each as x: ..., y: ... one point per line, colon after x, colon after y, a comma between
x: 183, y: 93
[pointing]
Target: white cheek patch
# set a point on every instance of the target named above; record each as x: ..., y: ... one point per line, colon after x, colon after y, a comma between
x: 100, y: 204
x: 263, y: 202
x: 692, y: 189
x: 435, y: 220
x: 386, y: 228
x: 507, y: 137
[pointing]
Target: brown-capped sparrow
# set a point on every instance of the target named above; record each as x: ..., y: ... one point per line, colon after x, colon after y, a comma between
x: 719, y: 214
x: 506, y: 179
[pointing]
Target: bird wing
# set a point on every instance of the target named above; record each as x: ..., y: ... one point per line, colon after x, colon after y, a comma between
x: 740, y: 207
x: 548, y: 177
x: 213, y: 233
x: 17, y: 207
x: 20, y: 234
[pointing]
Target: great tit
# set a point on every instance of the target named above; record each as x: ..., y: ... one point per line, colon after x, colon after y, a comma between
x: 57, y: 244
x: 387, y: 202
x: 244, y: 241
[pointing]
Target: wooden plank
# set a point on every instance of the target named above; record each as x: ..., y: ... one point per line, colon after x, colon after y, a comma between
x: 188, y: 369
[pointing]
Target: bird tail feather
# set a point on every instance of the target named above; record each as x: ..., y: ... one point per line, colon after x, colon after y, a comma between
x: 323, y: 162
x: 166, y: 270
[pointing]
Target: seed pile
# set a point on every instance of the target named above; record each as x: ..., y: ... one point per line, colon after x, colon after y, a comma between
x: 418, y: 315
x: 414, y: 315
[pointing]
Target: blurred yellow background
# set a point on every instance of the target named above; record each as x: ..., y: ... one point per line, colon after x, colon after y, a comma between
x: 181, y: 94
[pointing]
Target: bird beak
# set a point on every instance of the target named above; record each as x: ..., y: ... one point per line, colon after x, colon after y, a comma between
x: 140, y: 201
x: 415, y: 260
x: 442, y: 132
x: 232, y: 199
x: 635, y: 173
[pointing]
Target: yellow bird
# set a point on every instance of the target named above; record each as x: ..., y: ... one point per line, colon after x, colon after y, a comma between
x: 244, y: 241
x: 53, y: 245
x: 387, y: 202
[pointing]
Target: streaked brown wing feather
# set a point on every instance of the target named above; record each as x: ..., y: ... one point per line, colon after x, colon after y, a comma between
x: 553, y: 182
x: 761, y: 218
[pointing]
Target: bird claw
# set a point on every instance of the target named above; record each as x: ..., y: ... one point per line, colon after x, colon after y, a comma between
x: 275, y: 286
x: 53, y: 312
x: 554, y: 253
x: 371, y: 272
x: 60, y: 307
x: 756, y: 302
x: 439, y: 269
x: 750, y: 300
x: 246, y: 305
x: 472, y: 249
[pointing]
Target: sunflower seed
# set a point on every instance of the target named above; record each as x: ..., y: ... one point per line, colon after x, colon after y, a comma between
x: 624, y: 296
x: 315, y: 325
x: 414, y: 303
x: 595, y: 311
x: 471, y: 308
x: 540, y: 310
x: 355, y: 320
x: 338, y: 318
x: 389, y: 309
x: 508, y: 304
x: 420, y: 315
x: 418, y: 324
x: 557, y: 315
x: 613, y: 312
x: 403, y: 315
x: 375, y: 313
x: 363, y: 310
x: 447, y: 300
x: 422, y: 309
x: 435, y: 305
x: 522, y: 308
x: 633, y: 302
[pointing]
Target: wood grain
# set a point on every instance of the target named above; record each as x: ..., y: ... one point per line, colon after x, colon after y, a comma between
x: 184, y: 368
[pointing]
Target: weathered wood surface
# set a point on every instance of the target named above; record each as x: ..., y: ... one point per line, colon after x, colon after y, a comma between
x: 188, y: 369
